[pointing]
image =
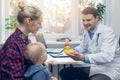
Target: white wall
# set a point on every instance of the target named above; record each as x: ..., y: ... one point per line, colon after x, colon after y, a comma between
x: 4, y: 12
x: 116, y: 17
x: 0, y: 20
x: 112, y: 15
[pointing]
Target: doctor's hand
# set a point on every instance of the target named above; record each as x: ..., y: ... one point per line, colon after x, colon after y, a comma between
x: 76, y: 56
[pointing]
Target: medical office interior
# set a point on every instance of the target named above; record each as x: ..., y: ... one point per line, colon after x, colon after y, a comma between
x: 61, y: 19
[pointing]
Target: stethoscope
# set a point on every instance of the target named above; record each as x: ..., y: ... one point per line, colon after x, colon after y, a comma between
x: 97, y: 39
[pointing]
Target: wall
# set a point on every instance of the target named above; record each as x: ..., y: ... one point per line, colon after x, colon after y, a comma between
x: 116, y: 17
x: 112, y: 15
x: 4, y: 12
x: 0, y: 20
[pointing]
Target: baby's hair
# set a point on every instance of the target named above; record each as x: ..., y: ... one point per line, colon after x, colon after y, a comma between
x: 26, y: 11
x: 34, y: 51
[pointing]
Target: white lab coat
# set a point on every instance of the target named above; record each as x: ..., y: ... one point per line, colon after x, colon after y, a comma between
x: 103, y: 51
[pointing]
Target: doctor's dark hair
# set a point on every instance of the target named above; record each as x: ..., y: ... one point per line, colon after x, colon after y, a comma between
x: 90, y: 10
x: 28, y: 12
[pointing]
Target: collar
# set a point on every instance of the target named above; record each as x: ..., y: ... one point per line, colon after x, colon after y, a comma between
x: 21, y: 35
x: 95, y: 28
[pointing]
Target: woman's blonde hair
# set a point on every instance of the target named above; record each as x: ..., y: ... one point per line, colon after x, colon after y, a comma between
x: 28, y: 12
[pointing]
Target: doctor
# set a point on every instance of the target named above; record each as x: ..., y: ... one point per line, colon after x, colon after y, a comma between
x: 99, y: 47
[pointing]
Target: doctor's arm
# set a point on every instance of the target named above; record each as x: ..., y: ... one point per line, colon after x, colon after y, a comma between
x: 79, y: 55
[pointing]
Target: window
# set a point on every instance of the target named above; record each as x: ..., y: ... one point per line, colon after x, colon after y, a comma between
x: 61, y: 18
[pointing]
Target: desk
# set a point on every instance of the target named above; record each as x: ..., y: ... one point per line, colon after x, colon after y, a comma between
x: 64, y: 62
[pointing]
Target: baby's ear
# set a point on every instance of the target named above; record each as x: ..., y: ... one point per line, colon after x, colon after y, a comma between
x: 41, y: 58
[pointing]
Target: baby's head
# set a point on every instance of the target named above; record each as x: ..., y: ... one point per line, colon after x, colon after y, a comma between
x: 36, y: 53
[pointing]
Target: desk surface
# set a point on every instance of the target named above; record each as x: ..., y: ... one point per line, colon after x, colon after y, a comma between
x: 63, y: 60
x: 66, y: 60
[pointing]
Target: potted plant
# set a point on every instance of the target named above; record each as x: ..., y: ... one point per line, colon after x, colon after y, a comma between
x: 100, y: 8
x: 11, y: 23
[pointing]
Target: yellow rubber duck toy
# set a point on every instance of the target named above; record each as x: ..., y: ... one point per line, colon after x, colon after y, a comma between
x: 67, y: 49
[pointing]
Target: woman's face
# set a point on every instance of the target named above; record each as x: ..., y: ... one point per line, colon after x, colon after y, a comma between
x: 35, y: 26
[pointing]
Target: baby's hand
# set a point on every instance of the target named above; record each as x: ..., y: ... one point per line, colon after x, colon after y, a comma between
x: 50, y: 63
x: 53, y: 78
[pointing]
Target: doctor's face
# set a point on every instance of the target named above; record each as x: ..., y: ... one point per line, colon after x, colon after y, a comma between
x: 89, y: 21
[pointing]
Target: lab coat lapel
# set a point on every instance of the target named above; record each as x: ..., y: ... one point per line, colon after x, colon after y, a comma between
x: 97, y: 32
x: 94, y: 43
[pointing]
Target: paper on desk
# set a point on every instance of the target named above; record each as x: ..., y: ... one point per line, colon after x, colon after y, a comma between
x: 54, y: 50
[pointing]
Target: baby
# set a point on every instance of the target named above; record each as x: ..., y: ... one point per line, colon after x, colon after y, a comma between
x: 36, y: 53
